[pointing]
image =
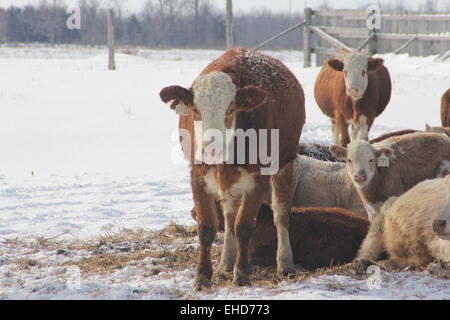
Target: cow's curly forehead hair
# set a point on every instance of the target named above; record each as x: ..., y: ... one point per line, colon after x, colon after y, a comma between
x: 355, y: 59
x: 360, y: 148
x: 214, y: 90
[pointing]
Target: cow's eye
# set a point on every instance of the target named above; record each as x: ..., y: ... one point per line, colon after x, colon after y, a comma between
x: 364, y: 73
x: 196, y: 111
x: 349, y: 161
x: 371, y: 160
x: 230, y: 111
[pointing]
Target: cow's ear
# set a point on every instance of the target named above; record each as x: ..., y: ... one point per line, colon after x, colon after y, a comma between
x: 177, y: 94
x: 374, y: 63
x: 339, y: 152
x: 336, y: 64
x: 389, y: 152
x: 250, y: 98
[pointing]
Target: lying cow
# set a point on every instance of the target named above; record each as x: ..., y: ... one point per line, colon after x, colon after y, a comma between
x: 414, y: 228
x: 320, y: 237
x: 390, y: 168
x: 325, y: 184
x: 441, y: 130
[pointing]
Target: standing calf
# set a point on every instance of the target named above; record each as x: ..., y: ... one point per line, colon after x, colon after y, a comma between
x: 243, y: 92
x: 352, y: 88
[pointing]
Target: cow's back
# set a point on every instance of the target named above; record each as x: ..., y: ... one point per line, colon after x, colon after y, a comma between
x: 418, y: 153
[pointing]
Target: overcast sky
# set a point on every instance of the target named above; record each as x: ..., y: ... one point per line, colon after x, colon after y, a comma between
x: 246, y: 5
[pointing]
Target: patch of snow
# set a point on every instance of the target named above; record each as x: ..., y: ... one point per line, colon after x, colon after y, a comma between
x: 85, y: 151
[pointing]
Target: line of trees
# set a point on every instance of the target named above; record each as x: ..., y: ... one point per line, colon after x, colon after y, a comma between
x: 160, y: 23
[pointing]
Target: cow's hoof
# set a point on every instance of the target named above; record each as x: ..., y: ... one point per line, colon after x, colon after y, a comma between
x: 201, y: 283
x: 362, y: 263
x: 241, y: 279
x: 388, y: 265
x: 224, y: 267
x: 285, y: 268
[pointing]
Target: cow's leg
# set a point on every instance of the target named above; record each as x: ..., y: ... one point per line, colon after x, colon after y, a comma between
x: 363, y: 128
x: 373, y: 245
x: 355, y: 131
x: 342, y: 128
x: 207, y: 225
x: 440, y: 248
x: 282, y: 195
x: 334, y: 131
x: 355, y: 126
x: 229, y: 250
x: 244, y: 227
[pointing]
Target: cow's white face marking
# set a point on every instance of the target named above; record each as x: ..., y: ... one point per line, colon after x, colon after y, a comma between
x: 361, y: 162
x: 213, y: 93
x: 355, y: 74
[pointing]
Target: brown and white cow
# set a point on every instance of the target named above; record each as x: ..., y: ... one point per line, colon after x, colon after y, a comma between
x: 352, y: 89
x: 445, y: 109
x: 245, y: 90
x: 393, y: 166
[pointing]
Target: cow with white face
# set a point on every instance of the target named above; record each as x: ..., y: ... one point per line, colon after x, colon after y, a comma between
x: 216, y: 101
x: 362, y: 159
x: 240, y: 92
x: 352, y: 89
x: 390, y: 168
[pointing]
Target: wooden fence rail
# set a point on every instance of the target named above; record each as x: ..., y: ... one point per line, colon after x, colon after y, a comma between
x: 415, y: 34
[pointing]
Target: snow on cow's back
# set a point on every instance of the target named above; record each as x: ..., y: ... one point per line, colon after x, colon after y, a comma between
x: 254, y: 68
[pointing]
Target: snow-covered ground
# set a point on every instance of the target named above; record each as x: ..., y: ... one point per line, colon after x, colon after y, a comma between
x: 84, y: 151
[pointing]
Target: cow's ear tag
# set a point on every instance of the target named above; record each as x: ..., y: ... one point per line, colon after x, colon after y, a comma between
x: 383, y: 161
x: 181, y: 109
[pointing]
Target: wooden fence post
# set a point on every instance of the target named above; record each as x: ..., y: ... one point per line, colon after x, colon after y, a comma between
x: 307, y: 38
x: 372, y: 45
x: 111, y: 62
x: 229, y: 26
